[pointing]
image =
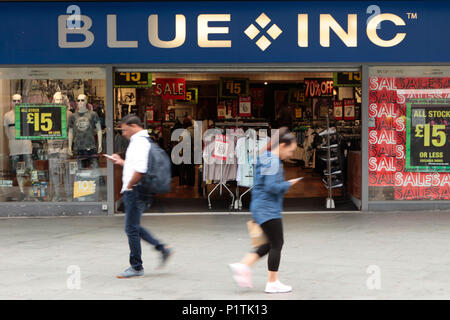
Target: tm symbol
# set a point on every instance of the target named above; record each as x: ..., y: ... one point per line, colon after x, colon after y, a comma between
x: 412, y: 15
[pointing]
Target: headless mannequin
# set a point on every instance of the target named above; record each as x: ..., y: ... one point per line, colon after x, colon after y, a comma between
x: 57, y: 156
x: 19, y: 150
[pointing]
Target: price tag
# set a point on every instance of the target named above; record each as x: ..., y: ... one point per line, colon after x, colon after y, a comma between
x: 34, y: 175
x: 39, y: 121
x: 232, y: 88
x: 73, y: 167
x: 150, y: 113
x: 338, y: 110
x: 220, y: 147
x: 132, y: 79
x: 221, y: 111
x: 245, y: 106
x: 349, y: 109
x: 20, y: 168
x: 428, y: 135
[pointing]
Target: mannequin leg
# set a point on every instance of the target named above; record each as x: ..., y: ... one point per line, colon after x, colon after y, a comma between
x: 66, y: 172
x: 55, y: 170
x: 29, y: 167
x: 15, y: 160
x: 70, y: 178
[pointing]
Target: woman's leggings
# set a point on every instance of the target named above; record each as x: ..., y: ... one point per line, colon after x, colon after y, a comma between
x: 274, y: 232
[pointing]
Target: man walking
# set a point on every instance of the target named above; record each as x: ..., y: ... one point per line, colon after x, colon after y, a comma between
x: 135, y: 200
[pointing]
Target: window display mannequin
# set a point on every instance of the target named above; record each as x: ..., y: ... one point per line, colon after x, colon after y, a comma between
x: 20, y: 151
x: 57, y: 158
x: 83, y: 124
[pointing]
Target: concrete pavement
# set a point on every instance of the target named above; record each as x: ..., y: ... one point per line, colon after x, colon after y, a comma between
x: 385, y: 255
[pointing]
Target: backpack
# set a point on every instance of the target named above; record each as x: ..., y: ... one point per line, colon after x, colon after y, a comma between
x: 158, y: 177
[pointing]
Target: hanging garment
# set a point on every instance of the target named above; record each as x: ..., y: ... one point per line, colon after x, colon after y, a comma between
x: 219, y: 159
x: 247, y: 150
x: 244, y: 153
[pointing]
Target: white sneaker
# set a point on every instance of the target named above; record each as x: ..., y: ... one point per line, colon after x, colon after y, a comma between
x: 277, y: 287
x: 242, y: 274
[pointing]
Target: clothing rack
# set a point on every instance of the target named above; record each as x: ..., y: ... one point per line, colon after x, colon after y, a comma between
x: 238, y: 203
x: 221, y: 184
x: 236, y: 199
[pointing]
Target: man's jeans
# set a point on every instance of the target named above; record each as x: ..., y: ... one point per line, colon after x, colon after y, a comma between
x: 135, y: 204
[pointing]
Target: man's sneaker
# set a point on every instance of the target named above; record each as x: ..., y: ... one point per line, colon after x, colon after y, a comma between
x: 166, y: 253
x: 330, y: 131
x: 277, y: 287
x: 242, y: 274
x: 130, y: 272
x: 333, y: 171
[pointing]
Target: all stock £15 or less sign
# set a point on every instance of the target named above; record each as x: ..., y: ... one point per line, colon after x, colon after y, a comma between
x: 40, y: 121
x: 428, y: 135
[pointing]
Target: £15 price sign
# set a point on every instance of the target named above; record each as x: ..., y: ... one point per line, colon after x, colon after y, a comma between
x: 428, y: 135
x: 40, y: 121
x: 233, y: 87
x: 191, y: 96
x: 132, y: 80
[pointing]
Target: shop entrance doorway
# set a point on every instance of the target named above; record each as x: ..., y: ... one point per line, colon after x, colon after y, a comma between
x: 322, y: 110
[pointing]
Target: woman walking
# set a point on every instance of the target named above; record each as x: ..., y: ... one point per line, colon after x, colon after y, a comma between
x: 266, y: 206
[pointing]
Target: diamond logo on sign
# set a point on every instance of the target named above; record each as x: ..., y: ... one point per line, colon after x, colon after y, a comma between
x: 263, y: 21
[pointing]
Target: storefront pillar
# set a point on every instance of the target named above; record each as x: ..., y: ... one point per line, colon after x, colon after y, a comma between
x: 110, y: 138
x: 365, y: 138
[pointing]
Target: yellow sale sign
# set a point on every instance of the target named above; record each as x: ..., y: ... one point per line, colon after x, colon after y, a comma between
x: 83, y: 188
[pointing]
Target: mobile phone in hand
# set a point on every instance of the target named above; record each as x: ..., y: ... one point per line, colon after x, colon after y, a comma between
x: 109, y: 157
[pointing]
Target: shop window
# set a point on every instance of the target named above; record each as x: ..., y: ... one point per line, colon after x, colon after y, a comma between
x: 409, y: 133
x: 53, y: 124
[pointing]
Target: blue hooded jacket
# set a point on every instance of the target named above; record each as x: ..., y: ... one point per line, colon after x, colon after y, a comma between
x: 269, y: 187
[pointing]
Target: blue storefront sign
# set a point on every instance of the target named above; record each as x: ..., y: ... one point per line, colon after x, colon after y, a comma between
x: 224, y: 32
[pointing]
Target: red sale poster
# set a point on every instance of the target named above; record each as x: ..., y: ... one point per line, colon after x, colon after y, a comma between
x: 387, y: 138
x: 171, y: 88
x: 338, y: 107
x: 245, y: 106
x: 349, y: 109
x: 221, y: 111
